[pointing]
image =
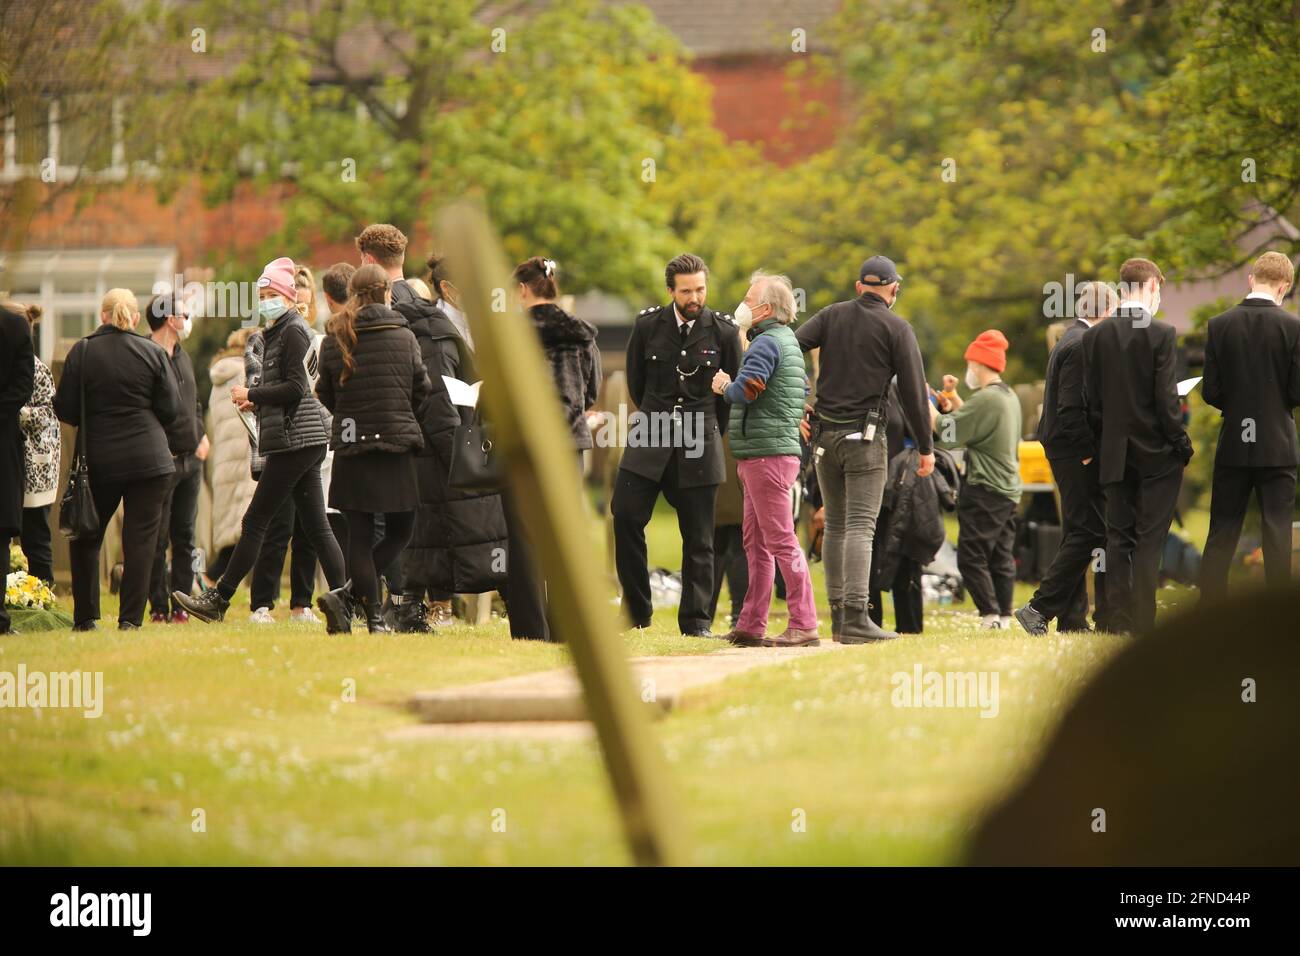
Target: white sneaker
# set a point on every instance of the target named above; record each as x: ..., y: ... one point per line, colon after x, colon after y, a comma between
x: 261, y: 616
x: 991, y: 622
x: 303, y: 615
x: 1005, y: 623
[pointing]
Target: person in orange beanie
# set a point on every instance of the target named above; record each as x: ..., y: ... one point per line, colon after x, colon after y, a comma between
x: 987, y: 426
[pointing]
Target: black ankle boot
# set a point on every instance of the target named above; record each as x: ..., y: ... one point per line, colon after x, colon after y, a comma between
x: 337, y: 606
x: 859, y: 628
x: 375, y: 622
x: 837, y: 621
x: 411, y: 617
x: 209, y: 607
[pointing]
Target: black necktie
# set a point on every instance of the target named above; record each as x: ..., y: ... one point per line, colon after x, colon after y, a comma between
x: 685, y: 329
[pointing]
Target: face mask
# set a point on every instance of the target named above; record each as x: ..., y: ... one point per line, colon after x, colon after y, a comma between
x: 187, y: 328
x: 272, y: 308
x: 972, y: 378
x: 744, y: 316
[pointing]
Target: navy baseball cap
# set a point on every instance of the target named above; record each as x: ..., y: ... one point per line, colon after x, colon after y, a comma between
x: 880, y: 270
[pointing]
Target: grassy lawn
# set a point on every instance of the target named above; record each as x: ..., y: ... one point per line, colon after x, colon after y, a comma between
x: 250, y: 725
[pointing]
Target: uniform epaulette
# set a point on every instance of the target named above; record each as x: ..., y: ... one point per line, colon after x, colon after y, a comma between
x: 725, y: 317
x: 648, y: 309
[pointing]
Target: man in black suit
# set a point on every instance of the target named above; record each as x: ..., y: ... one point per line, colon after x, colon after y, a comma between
x: 674, y: 441
x: 1133, y: 405
x: 1252, y: 375
x: 1071, y: 450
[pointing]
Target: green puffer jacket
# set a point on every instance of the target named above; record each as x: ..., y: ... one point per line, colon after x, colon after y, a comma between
x: 769, y: 423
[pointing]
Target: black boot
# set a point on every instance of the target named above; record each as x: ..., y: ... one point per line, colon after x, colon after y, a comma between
x: 209, y: 607
x: 837, y: 621
x: 411, y: 617
x: 375, y: 622
x: 337, y: 606
x: 859, y: 628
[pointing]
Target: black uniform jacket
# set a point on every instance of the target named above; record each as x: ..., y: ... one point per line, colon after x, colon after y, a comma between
x: 663, y: 374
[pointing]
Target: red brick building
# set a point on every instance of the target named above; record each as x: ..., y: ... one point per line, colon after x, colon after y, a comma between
x: 125, y: 237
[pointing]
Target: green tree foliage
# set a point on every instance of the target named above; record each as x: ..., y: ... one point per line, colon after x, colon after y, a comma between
x: 1037, y: 127
x: 1227, y: 152
x: 570, y: 120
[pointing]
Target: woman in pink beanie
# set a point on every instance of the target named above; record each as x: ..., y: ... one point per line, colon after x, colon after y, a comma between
x: 293, y: 434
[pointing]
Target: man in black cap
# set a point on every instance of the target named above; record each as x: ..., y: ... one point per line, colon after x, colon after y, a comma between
x: 863, y: 344
x: 674, y: 442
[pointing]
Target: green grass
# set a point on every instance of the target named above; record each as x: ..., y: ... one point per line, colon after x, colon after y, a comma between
x: 249, y: 724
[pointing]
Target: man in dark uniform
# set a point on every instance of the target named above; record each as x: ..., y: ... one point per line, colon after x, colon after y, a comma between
x: 674, y: 442
x: 1071, y: 450
x: 1252, y: 375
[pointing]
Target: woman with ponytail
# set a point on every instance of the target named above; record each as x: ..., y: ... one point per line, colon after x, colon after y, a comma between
x: 130, y: 398
x: 292, y: 435
x: 373, y: 380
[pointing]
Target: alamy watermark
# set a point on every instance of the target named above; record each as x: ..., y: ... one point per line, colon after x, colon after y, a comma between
x: 81, y: 690
x: 922, y: 688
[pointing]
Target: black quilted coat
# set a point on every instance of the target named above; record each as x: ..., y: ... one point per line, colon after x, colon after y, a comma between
x: 911, y: 516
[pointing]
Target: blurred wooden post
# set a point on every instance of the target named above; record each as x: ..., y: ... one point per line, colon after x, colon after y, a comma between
x: 537, y: 449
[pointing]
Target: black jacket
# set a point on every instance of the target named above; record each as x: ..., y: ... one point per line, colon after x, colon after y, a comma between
x: 444, y: 354
x: 377, y: 408
x: 289, y: 417
x: 911, y: 514
x: 17, y: 377
x: 664, y: 372
x: 1252, y: 371
x: 131, y: 400
x: 864, y: 344
x: 570, y: 346
x: 1131, y: 383
x: 1063, y: 427
x: 185, y: 433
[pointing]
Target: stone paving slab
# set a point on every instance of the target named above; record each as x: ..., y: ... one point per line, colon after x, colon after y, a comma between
x: 556, y: 695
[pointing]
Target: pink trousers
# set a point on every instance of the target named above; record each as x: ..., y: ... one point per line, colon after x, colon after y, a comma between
x: 770, y: 542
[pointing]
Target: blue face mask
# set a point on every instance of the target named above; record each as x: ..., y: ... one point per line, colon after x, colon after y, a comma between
x: 272, y: 308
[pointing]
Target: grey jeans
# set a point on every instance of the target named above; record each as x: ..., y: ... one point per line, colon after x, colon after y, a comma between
x: 851, y: 474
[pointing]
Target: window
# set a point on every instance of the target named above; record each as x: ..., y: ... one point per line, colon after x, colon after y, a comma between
x: 70, y: 285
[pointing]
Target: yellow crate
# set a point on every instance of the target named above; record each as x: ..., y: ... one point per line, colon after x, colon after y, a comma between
x: 1034, y: 469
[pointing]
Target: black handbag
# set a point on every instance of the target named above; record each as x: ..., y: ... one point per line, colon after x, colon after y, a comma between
x: 474, y: 466
x: 78, y: 518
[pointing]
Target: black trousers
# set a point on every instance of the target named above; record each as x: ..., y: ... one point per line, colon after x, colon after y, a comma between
x: 366, y: 554
x: 142, y: 501
x: 729, y: 562
x: 37, y: 543
x: 986, y: 537
x: 177, y: 529
x: 287, y: 473
x: 909, y: 615
x: 5, y: 622
x: 1274, y: 488
x: 525, y: 584
x: 286, y: 535
x: 1139, y: 510
x: 1063, y: 592
x: 632, y: 505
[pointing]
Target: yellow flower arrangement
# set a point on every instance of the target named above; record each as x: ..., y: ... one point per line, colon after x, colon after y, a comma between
x: 27, y: 592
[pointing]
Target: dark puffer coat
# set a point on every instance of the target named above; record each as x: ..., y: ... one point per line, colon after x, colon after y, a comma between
x: 459, y: 544
x: 288, y: 415
x: 570, y: 346
x: 378, y: 407
x: 910, y: 513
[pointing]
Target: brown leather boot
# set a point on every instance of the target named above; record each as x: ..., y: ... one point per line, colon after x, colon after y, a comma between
x: 791, y: 637
x: 743, y: 638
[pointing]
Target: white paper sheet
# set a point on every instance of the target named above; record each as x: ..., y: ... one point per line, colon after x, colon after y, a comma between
x: 460, y: 393
x: 1187, y: 384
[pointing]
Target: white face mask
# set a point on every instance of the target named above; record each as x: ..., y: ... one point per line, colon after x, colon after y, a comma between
x: 972, y: 378
x: 186, y: 329
x: 744, y: 316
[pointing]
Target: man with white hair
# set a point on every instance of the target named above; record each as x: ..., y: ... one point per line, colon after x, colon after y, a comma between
x: 771, y: 388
